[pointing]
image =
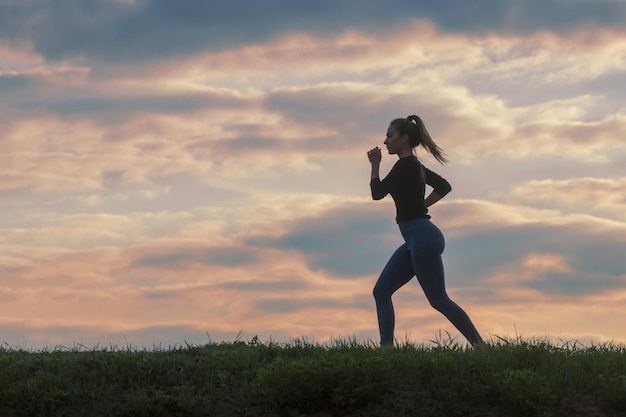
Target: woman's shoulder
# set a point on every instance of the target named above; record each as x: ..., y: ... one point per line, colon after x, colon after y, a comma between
x: 410, y: 161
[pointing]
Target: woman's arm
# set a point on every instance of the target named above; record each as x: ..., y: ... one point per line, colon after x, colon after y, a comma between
x: 432, y: 198
x: 375, y: 171
x: 375, y: 156
x: 441, y: 187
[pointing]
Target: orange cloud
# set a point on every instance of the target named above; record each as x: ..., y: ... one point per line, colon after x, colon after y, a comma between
x: 545, y: 262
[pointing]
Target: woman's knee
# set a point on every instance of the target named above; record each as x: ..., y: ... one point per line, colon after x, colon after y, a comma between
x: 381, y: 293
x: 440, y: 302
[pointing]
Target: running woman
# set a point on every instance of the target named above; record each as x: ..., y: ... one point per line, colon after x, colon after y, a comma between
x: 420, y: 254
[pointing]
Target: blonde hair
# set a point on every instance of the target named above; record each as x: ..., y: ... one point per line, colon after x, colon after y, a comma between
x: 415, y: 128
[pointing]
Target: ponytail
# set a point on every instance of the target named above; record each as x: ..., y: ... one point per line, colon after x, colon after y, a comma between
x: 415, y: 128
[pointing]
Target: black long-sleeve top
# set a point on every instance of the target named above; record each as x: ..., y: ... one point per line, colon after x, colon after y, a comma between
x: 406, y: 182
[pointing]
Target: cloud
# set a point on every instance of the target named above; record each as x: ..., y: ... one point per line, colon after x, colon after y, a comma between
x: 344, y: 242
x: 288, y: 305
x: 603, y: 196
x: 9, y: 83
x: 104, y: 101
x: 493, y: 263
x: 182, y: 257
x: 126, y: 31
x: 574, y: 191
x: 160, y: 179
x: 147, y: 124
x: 555, y: 253
x: 546, y: 250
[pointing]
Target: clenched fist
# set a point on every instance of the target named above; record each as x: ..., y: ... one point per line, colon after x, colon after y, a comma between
x: 374, y: 155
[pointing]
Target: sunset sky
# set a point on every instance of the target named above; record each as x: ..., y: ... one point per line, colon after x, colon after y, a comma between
x: 183, y: 171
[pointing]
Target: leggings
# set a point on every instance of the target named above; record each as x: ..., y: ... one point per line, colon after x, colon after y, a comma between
x: 419, y: 256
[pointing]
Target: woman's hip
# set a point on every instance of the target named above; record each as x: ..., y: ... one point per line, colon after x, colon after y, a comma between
x: 421, y: 233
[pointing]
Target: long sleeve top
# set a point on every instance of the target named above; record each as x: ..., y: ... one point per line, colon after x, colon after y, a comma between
x: 406, y: 182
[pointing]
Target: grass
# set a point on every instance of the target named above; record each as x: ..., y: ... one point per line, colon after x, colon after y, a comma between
x: 299, y: 378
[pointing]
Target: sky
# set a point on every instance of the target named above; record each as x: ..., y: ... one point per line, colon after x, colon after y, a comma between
x: 185, y: 172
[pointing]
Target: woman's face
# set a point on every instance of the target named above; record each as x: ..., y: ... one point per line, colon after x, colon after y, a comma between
x: 395, y: 142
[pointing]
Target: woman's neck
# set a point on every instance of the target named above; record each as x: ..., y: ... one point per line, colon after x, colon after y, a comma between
x: 404, y: 153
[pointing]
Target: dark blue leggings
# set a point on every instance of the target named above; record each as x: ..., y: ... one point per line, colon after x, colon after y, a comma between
x: 419, y: 256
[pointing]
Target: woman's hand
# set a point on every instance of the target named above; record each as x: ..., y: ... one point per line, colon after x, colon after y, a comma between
x: 374, y: 155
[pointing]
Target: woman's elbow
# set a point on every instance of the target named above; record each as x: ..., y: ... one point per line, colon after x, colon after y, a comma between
x: 444, y: 189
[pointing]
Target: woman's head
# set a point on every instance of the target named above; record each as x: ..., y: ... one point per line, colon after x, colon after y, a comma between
x: 415, y: 130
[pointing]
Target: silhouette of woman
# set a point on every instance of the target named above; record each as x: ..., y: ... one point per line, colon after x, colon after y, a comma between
x: 420, y: 254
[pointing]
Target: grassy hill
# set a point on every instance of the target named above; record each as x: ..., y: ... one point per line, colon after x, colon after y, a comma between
x: 342, y: 378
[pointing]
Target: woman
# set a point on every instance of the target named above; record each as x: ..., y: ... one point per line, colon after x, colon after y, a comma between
x: 420, y: 254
